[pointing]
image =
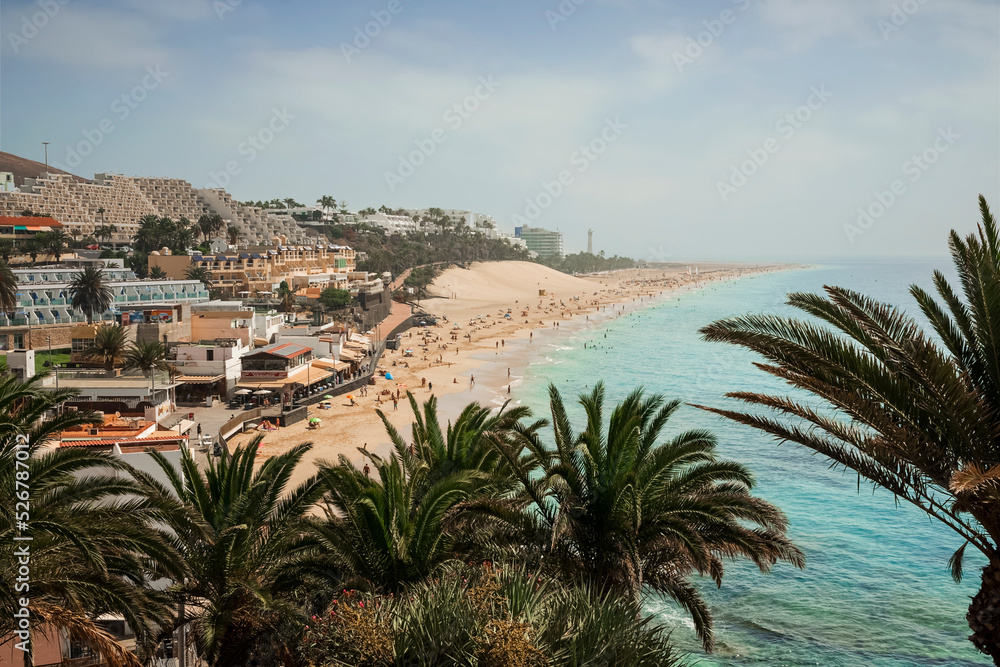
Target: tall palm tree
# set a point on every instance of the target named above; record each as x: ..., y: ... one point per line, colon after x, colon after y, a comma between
x: 625, y: 512
x: 149, y: 357
x: 55, y: 243
x: 246, y: 543
x: 234, y: 234
x: 157, y: 273
x: 32, y: 247
x: 327, y: 202
x: 110, y: 346
x: 8, y: 289
x: 90, y: 293
x: 94, y: 546
x: 915, y: 413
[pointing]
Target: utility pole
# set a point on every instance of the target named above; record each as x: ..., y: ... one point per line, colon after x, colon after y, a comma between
x: 46, y: 144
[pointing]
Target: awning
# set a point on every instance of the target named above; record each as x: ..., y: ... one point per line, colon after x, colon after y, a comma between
x: 199, y: 379
x: 350, y: 355
x: 305, y: 376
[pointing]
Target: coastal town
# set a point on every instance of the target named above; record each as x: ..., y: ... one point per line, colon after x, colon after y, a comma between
x: 572, y: 334
x: 236, y: 337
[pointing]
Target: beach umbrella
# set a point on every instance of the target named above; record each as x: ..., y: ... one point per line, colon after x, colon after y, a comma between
x: 388, y: 376
x: 261, y: 392
x: 351, y: 396
x: 243, y: 392
x: 315, y: 420
x: 328, y: 396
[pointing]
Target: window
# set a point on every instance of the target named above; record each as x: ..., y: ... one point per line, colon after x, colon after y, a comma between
x: 210, y: 355
x: 18, y: 341
x: 78, y: 345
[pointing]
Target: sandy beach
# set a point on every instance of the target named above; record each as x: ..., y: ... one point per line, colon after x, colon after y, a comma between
x: 488, y: 318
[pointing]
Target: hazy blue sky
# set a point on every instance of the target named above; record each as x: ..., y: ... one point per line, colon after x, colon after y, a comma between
x: 680, y: 130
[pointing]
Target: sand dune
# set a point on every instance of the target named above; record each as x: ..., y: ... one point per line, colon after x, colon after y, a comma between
x: 489, y: 286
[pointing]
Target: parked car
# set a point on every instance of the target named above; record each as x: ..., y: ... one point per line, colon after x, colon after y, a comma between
x: 93, y: 247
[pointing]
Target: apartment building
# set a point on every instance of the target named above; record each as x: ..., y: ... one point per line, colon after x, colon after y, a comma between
x: 122, y: 201
x: 43, y: 296
x: 544, y: 242
x: 261, y: 270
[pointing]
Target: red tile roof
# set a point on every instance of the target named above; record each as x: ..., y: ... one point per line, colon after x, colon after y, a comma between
x: 29, y: 222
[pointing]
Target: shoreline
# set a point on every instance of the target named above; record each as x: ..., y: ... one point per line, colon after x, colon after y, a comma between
x: 575, y: 304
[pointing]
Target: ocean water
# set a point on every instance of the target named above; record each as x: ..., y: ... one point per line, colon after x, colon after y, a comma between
x: 876, y: 588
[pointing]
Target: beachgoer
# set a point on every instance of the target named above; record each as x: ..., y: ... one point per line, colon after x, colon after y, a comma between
x: 430, y: 386
x: 395, y: 404
x: 472, y: 381
x: 367, y: 470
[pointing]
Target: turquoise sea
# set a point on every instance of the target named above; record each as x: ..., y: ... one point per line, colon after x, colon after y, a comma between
x: 876, y: 589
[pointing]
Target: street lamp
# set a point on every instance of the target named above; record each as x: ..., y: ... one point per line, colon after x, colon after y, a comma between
x: 46, y: 144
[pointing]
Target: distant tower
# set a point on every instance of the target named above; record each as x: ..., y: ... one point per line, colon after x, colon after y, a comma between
x: 590, y: 241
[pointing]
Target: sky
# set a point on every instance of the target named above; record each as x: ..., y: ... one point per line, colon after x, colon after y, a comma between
x: 725, y: 129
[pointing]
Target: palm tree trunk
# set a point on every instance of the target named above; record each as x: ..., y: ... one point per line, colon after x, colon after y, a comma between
x: 984, y: 613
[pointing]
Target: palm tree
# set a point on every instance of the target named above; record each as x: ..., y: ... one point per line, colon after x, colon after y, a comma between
x: 157, y: 273
x: 110, y: 346
x: 149, y: 357
x: 32, y: 247
x: 234, y: 234
x: 6, y: 249
x: 915, y: 413
x: 90, y: 293
x: 327, y: 202
x: 55, y: 243
x: 94, y: 548
x: 467, y: 445
x: 206, y: 223
x: 201, y: 273
x: 8, y: 290
x: 388, y: 529
x: 245, y: 541
x: 619, y: 510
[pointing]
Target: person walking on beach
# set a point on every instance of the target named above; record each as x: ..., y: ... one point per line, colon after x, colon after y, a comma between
x: 472, y: 381
x: 367, y: 470
x: 430, y: 386
x: 395, y: 403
